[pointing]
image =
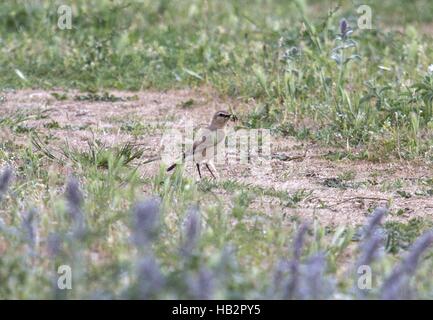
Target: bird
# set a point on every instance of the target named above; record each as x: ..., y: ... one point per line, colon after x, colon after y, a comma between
x: 208, y: 139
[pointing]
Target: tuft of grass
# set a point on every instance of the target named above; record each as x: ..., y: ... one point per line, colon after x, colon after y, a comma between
x: 100, y: 156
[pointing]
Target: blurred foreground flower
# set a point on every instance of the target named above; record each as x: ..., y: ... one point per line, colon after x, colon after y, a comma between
x: 150, y: 278
x: 5, y: 178
x: 396, y: 286
x: 146, y: 221
x: 192, y: 230
x: 74, y: 199
x: 201, y: 285
x: 54, y: 244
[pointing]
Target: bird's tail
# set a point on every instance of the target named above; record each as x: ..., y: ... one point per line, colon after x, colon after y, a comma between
x: 175, y: 164
x: 171, y: 167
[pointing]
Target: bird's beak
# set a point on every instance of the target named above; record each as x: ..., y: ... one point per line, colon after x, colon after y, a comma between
x: 233, y: 117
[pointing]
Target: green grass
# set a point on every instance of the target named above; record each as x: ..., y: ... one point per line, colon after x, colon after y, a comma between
x: 377, y: 108
x: 380, y: 103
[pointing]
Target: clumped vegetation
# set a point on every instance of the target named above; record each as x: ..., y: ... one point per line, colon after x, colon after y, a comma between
x: 156, y: 258
x: 300, y: 68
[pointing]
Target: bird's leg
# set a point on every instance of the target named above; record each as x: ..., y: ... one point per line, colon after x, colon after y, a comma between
x: 207, y: 166
x: 198, y: 169
x: 214, y: 170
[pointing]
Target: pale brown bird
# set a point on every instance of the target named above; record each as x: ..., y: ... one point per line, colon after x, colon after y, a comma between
x: 207, y: 140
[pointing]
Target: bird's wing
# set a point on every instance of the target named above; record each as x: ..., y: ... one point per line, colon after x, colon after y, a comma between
x: 201, y: 143
x: 205, y: 138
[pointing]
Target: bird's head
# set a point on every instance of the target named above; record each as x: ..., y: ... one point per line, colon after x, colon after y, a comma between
x: 220, y: 119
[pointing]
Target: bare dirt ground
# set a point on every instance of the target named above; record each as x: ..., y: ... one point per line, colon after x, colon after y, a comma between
x: 326, y: 196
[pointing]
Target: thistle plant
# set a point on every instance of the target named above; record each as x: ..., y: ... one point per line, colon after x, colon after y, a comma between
x: 341, y: 53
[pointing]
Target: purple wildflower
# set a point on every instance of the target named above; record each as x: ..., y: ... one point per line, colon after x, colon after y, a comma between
x: 201, y: 285
x: 369, y: 250
x: 375, y: 221
x: 146, y: 221
x: 29, y: 226
x: 74, y: 199
x: 5, y: 178
x: 343, y: 27
x: 371, y: 239
x: 54, y: 244
x: 150, y: 278
x: 279, y: 280
x: 192, y: 231
x: 299, y: 241
x: 314, y: 285
x: 294, y: 264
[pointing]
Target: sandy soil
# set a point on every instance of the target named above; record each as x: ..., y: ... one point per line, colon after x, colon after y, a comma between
x: 326, y: 197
